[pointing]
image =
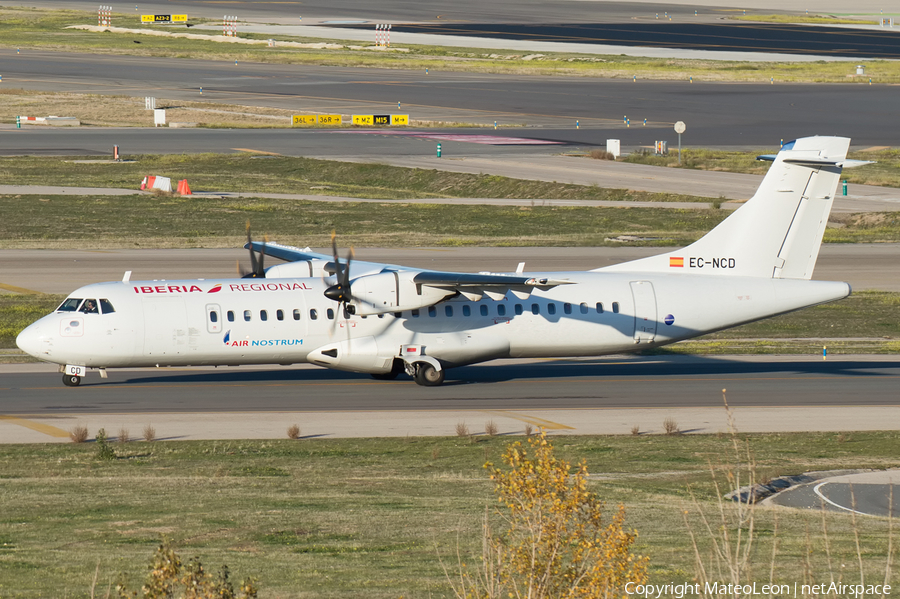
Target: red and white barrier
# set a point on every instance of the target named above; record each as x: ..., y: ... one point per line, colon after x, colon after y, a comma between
x: 382, y: 35
x: 229, y: 26
x: 104, y: 16
x: 153, y: 182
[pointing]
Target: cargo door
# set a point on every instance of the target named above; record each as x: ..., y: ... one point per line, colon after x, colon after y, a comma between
x: 165, y: 327
x: 644, y: 311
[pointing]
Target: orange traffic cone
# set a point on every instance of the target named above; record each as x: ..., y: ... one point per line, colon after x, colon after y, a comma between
x: 183, y: 188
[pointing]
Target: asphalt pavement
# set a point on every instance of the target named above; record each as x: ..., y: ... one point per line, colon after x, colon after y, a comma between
x: 716, y: 114
x: 866, y: 494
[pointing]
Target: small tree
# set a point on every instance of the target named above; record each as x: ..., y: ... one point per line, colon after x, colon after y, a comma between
x: 554, y: 542
x: 104, y: 449
x: 170, y: 578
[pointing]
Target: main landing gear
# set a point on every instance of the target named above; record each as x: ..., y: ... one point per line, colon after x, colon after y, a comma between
x: 424, y: 373
x: 427, y: 375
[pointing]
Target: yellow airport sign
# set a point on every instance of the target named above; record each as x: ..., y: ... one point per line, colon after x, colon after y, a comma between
x: 400, y: 119
x: 303, y: 119
x: 328, y: 119
x: 363, y: 119
x: 164, y: 18
x: 380, y: 119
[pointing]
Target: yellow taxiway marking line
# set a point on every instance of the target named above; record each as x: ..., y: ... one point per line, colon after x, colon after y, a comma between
x: 35, y: 426
x: 21, y: 290
x: 541, y: 422
x: 252, y: 151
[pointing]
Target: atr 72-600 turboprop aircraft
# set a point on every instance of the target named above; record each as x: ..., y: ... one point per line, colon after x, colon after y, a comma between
x: 383, y: 319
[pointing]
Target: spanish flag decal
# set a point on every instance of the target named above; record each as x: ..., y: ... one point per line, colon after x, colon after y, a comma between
x: 676, y: 262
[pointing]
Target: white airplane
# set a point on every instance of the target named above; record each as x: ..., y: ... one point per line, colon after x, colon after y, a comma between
x: 383, y: 319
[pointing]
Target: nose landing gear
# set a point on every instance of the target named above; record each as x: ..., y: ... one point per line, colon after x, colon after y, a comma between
x: 71, y: 380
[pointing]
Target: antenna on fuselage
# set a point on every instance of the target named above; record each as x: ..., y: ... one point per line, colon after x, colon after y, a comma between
x: 127, y: 276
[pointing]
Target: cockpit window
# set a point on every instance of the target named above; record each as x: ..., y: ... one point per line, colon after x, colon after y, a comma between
x: 89, y: 307
x: 70, y: 305
x: 106, y: 306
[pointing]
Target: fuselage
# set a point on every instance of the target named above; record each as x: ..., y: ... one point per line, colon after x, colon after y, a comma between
x: 287, y: 321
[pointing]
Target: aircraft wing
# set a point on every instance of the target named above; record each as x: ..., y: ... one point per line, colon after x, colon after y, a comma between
x: 472, y: 285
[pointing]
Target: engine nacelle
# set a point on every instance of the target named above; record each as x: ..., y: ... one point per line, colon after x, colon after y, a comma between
x: 393, y: 292
x: 301, y: 269
x: 353, y: 355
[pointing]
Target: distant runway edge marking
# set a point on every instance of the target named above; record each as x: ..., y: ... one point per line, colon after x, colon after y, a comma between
x: 21, y: 290
x: 540, y: 422
x: 35, y: 426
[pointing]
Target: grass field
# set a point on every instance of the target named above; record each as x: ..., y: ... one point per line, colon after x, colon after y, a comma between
x: 252, y: 173
x: 46, y: 30
x: 329, y: 518
x: 155, y: 221
x: 885, y: 171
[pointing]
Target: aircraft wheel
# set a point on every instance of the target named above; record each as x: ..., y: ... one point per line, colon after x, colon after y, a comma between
x: 428, y: 376
x: 71, y: 380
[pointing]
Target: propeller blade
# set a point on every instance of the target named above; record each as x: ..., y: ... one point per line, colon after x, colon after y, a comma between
x: 260, y: 271
x: 253, y: 268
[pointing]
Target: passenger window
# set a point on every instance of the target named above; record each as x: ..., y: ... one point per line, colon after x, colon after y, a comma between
x: 398, y: 314
x: 247, y: 315
x: 535, y: 309
x: 230, y: 315
x: 279, y: 314
x: 313, y: 314
x: 263, y: 315
x: 467, y: 311
x: 551, y: 308
x: 484, y: 310
x: 106, y: 306
x: 599, y: 307
x: 432, y: 311
x: 90, y: 307
x: 501, y: 310
x: 448, y: 310
x: 296, y: 314
x: 329, y: 313
x: 518, y: 309
x: 70, y: 305
x: 615, y: 307
x: 213, y: 316
x: 381, y: 315
x: 567, y: 308
x: 415, y: 313
x: 584, y: 308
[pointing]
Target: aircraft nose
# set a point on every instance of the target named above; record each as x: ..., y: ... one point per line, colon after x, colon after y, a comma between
x: 29, y: 340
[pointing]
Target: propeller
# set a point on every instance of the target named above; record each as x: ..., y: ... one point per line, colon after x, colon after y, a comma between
x: 257, y: 267
x: 340, y: 292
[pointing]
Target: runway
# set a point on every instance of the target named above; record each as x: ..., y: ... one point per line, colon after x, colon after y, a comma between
x: 716, y: 114
x: 591, y: 396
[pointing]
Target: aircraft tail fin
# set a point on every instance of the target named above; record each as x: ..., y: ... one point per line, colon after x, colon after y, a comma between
x: 777, y: 233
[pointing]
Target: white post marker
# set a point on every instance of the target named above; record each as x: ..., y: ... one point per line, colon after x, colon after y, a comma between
x: 679, y: 129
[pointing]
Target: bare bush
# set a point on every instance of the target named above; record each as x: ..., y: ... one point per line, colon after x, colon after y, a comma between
x: 635, y: 430
x: 670, y: 426
x: 490, y: 428
x: 124, y: 436
x: 529, y: 430
x: 462, y: 430
x: 149, y: 433
x: 78, y: 434
x: 293, y: 432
